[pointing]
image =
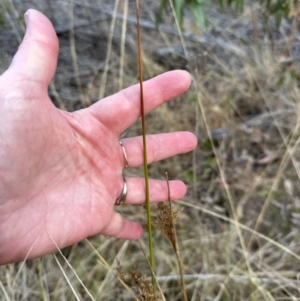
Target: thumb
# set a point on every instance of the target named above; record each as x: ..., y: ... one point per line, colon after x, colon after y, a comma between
x: 36, y: 59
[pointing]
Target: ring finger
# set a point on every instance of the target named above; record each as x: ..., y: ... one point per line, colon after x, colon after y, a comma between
x: 158, y: 190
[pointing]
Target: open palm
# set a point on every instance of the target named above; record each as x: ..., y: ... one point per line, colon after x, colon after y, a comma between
x: 60, y: 172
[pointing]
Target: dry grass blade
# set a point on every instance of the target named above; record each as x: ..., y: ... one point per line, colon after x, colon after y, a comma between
x: 275, y: 243
x: 289, y: 155
x: 67, y: 279
x: 122, y: 51
x: 108, y: 52
x: 84, y: 99
x: 108, y: 277
x: 11, y: 21
x: 5, y: 294
x: 74, y: 272
x: 103, y: 262
x: 200, y: 98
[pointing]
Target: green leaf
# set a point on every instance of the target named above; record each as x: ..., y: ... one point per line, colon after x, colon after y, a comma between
x: 179, y: 8
x: 159, y: 13
x: 278, y: 8
x: 278, y: 17
x: 221, y: 4
x: 239, y: 5
x: 198, y: 10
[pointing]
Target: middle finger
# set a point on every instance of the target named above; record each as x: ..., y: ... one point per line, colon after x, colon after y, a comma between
x: 159, y: 147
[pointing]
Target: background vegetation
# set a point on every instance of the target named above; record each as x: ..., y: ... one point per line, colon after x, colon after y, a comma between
x: 199, y: 8
x: 239, y: 229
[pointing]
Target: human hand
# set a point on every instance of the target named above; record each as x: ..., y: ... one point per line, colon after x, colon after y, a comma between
x: 60, y: 172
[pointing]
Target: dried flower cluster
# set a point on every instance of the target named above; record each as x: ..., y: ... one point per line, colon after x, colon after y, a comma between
x: 165, y: 221
x: 139, y: 284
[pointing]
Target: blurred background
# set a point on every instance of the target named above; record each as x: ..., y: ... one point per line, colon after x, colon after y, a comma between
x: 238, y: 230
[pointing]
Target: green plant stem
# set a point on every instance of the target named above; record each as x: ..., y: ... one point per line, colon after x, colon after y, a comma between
x: 140, y: 64
x: 175, y: 243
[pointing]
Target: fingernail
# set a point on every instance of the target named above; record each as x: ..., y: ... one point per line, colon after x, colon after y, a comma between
x: 26, y: 17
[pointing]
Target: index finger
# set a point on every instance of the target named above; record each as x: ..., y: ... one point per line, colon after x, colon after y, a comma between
x: 121, y: 110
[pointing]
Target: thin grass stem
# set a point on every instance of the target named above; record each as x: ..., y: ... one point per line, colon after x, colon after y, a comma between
x: 140, y: 64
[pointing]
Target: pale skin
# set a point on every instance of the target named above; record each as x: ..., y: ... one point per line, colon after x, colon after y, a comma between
x: 60, y: 172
